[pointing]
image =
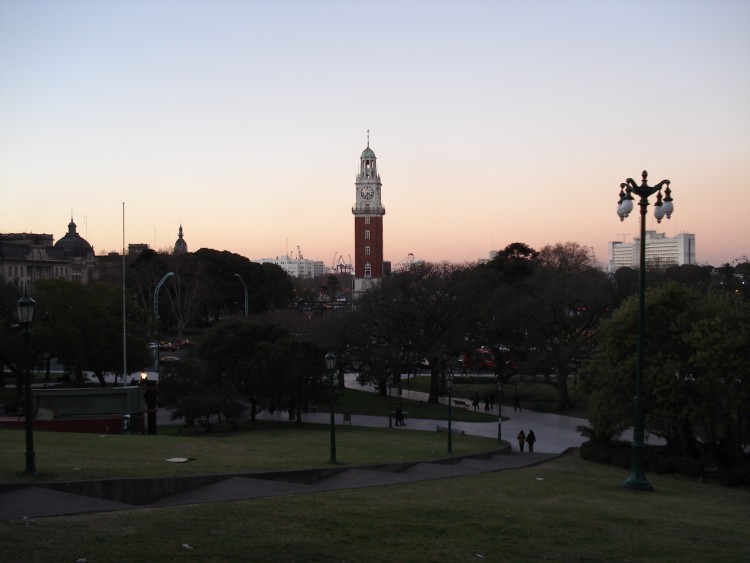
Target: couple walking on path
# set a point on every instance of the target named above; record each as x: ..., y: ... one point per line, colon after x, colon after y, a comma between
x: 529, y: 439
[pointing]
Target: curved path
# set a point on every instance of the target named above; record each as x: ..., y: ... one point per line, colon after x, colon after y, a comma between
x: 554, y: 433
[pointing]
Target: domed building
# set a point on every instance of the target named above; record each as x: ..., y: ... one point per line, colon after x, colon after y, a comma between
x: 180, y: 246
x: 73, y: 244
x: 76, y: 250
x: 28, y: 257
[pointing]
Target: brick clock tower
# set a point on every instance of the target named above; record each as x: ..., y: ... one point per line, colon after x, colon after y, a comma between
x: 368, y: 213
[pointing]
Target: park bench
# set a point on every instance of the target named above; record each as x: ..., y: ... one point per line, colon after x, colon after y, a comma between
x: 347, y: 418
x: 460, y: 403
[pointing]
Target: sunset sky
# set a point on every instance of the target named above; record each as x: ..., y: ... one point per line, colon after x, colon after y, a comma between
x: 493, y: 122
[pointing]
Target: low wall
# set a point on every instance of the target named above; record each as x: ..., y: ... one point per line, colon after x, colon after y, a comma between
x: 100, y: 401
x: 108, y: 424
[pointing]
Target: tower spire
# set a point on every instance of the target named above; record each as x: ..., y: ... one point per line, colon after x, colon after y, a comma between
x: 368, y: 138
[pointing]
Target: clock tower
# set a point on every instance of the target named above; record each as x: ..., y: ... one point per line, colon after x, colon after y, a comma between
x: 368, y: 213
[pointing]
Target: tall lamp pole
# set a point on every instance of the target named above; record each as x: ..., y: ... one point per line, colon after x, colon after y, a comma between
x: 156, y: 315
x: 663, y: 207
x: 449, y: 385
x: 25, y: 306
x: 389, y: 382
x: 244, y: 286
x: 330, y: 360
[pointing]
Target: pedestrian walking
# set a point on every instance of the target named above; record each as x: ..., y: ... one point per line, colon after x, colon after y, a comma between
x: 530, y: 439
x: 487, y: 401
x: 521, y: 440
x: 516, y: 402
x: 400, y: 416
x: 475, y: 402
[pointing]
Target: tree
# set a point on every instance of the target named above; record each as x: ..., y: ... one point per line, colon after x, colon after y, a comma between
x: 421, y: 311
x: 197, y: 397
x: 569, y: 295
x: 263, y: 363
x: 82, y: 327
x: 11, y: 343
x: 696, y: 373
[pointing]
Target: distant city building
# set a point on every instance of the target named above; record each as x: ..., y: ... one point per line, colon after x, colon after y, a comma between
x: 297, y: 267
x: 180, y: 246
x: 27, y: 257
x: 661, y: 251
x: 368, y: 213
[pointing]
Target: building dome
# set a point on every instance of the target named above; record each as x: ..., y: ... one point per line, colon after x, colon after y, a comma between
x: 368, y: 153
x: 180, y: 246
x: 73, y: 244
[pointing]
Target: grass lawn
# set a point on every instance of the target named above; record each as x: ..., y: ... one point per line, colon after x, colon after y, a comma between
x: 563, y: 510
x: 535, y: 395
x: 368, y: 403
x: 259, y: 446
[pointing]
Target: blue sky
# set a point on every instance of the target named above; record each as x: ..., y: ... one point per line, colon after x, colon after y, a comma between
x: 493, y: 122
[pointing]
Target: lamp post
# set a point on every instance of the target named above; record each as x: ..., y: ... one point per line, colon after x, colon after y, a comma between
x: 25, y: 306
x: 389, y: 382
x: 330, y: 360
x: 663, y: 207
x: 244, y: 286
x: 449, y: 385
x: 499, y: 410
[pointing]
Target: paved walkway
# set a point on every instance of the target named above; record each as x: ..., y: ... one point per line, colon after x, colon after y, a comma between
x: 555, y: 434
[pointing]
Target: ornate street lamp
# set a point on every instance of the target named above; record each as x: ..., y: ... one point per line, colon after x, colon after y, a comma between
x: 499, y: 410
x: 330, y: 360
x: 662, y: 207
x: 25, y: 306
x: 449, y: 385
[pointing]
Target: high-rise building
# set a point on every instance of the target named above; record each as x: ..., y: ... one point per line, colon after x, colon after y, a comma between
x: 368, y: 213
x: 661, y: 251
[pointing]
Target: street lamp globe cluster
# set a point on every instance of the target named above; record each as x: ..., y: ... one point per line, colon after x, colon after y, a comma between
x: 662, y: 208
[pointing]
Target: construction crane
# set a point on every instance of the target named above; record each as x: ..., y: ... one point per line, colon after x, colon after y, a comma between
x: 333, y: 262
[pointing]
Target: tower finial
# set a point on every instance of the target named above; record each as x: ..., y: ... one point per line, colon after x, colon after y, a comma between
x: 368, y: 138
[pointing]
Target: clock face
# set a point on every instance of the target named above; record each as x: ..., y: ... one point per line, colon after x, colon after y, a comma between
x: 367, y: 192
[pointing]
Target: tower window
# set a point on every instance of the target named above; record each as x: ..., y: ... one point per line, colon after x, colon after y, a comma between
x: 367, y: 235
x: 368, y: 270
x: 367, y: 220
x: 367, y: 250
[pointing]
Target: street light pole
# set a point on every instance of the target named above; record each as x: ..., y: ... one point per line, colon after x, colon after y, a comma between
x: 330, y: 360
x: 449, y: 384
x: 389, y: 382
x: 156, y: 316
x: 25, y: 306
x: 637, y: 478
x: 244, y: 286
